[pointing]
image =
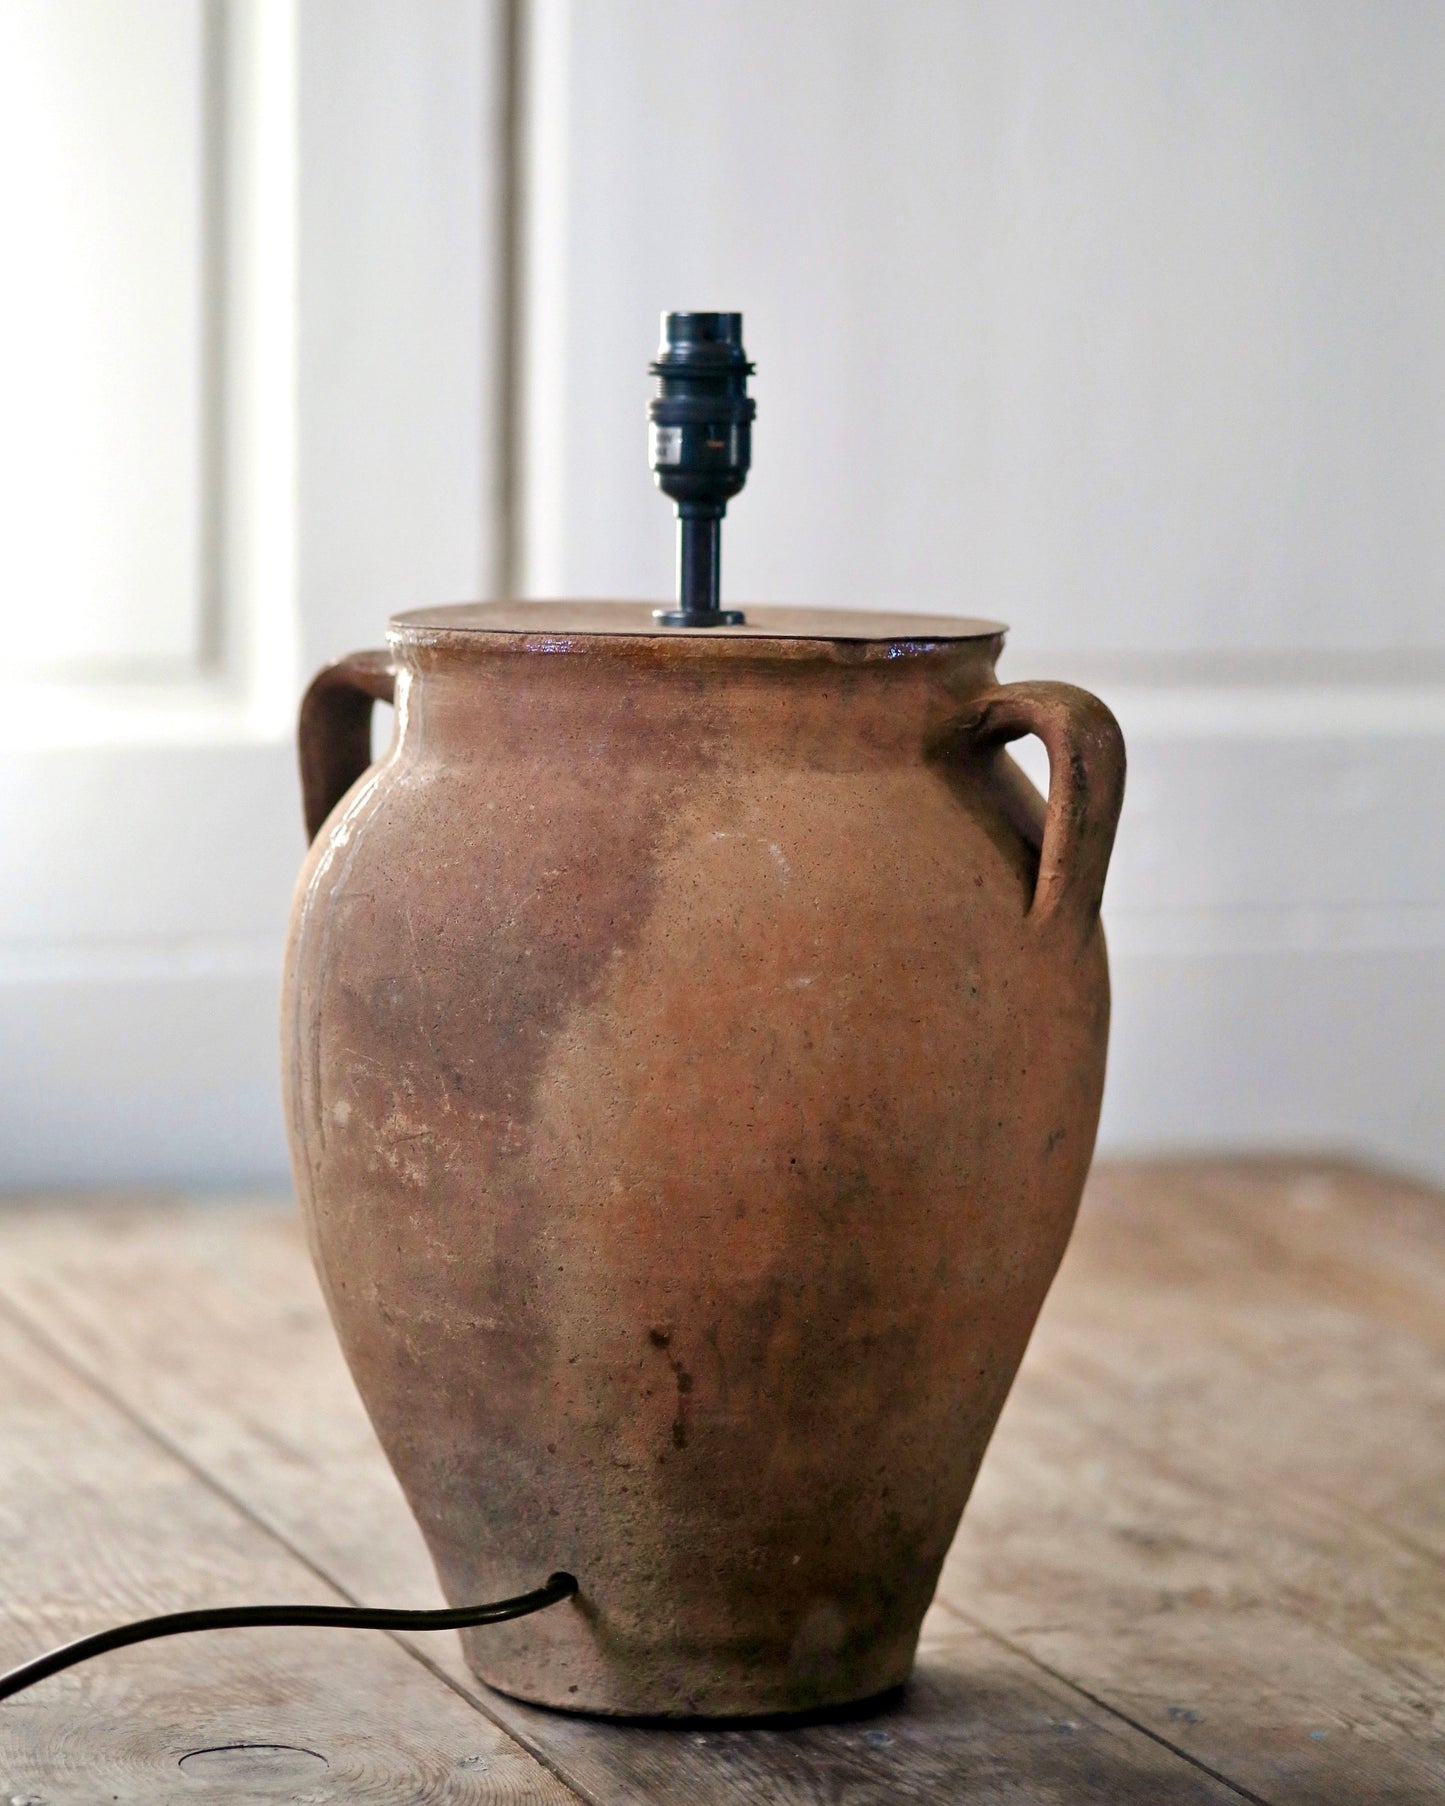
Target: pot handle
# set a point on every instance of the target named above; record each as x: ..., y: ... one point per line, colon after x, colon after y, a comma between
x: 333, y: 732
x: 1086, y: 788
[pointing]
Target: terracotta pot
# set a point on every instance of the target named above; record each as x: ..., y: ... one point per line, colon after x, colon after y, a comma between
x: 694, y: 1044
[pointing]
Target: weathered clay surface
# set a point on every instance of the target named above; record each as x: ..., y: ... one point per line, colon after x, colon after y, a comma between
x: 693, y: 1065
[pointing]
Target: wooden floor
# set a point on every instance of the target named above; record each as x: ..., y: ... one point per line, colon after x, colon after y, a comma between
x: 1203, y: 1563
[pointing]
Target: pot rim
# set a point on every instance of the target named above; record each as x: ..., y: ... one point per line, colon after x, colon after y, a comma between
x: 845, y: 635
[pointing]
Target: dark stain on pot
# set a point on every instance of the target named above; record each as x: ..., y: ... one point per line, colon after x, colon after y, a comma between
x: 679, y: 1423
x: 661, y: 1339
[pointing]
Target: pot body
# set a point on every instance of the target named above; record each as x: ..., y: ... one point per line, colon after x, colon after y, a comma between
x: 690, y: 1098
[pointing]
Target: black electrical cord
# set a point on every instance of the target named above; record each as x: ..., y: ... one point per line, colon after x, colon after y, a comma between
x: 243, y: 1617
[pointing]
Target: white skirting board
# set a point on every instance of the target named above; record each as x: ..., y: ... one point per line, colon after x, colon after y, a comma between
x: 147, y: 1079
x: 1314, y: 1051
x: 163, y: 1079
x: 1276, y: 921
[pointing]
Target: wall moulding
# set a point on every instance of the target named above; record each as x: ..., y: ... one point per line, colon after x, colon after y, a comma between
x: 239, y: 681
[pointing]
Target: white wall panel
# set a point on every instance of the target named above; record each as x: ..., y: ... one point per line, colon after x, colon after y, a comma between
x: 1117, y: 321
x: 401, y: 289
x: 1120, y: 322
x: 108, y: 215
x: 150, y: 832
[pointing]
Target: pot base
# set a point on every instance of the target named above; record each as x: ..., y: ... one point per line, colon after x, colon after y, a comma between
x: 573, y: 1658
x: 739, y: 1700
x: 792, y: 1718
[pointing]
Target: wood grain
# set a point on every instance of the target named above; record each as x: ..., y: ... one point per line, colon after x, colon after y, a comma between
x: 977, y: 1723
x: 1213, y: 1507
x: 1220, y: 1490
x: 1301, y: 1316
x: 206, y: 1320
x: 1301, y: 1656
x: 99, y: 1525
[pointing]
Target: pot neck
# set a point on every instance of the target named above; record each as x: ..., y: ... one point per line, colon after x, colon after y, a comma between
x: 613, y: 701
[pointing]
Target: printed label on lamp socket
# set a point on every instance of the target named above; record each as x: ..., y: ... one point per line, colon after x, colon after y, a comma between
x: 667, y: 445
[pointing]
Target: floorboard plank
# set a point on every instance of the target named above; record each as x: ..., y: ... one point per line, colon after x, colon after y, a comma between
x: 206, y: 1320
x: 99, y: 1526
x: 1174, y: 1315
x: 1302, y: 1656
x: 1327, y: 1234
x: 1223, y: 1470
x: 1220, y: 1469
